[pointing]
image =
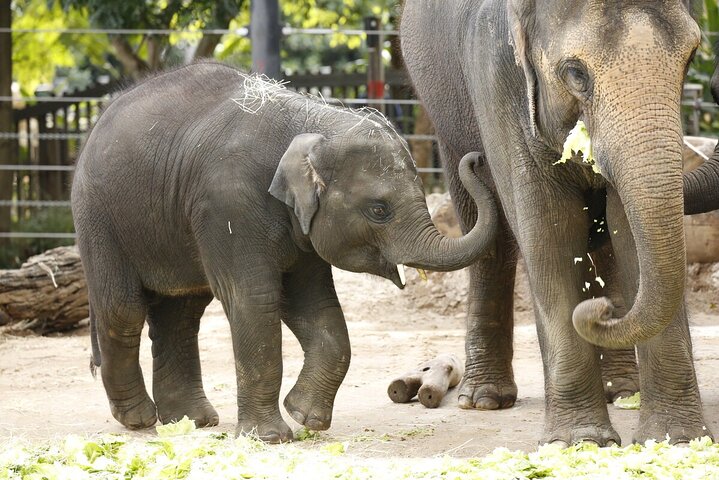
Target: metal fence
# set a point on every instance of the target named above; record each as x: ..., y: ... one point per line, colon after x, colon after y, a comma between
x: 48, y: 133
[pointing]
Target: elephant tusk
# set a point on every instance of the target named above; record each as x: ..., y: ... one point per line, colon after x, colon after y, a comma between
x: 402, y: 277
x: 422, y: 274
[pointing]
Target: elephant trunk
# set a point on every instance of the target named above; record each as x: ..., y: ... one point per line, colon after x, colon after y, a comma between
x: 423, y: 246
x: 644, y: 164
x: 701, y: 187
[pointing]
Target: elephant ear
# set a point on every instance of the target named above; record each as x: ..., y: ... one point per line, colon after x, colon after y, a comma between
x: 519, y: 16
x: 297, y: 182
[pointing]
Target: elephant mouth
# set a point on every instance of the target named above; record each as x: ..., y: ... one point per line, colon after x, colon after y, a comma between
x: 394, y: 273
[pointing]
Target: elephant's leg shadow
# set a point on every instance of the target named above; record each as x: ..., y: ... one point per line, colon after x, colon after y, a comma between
x: 670, y: 404
x: 488, y: 381
x: 314, y: 315
x: 177, y: 379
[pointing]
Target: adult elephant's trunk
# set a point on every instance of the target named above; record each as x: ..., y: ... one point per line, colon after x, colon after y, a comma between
x: 701, y: 187
x: 421, y: 245
x: 638, y: 147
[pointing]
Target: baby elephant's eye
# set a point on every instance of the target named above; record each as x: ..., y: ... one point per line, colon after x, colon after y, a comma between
x: 378, y: 212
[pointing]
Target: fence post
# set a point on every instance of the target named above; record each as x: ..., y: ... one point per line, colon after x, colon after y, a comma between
x: 375, y: 67
x: 6, y: 121
x: 265, y: 35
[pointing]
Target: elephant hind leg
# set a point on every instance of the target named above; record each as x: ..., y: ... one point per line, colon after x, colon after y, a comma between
x: 119, y: 309
x: 620, y: 374
x: 177, y: 378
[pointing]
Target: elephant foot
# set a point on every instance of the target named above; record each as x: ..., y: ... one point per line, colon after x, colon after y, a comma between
x: 309, y: 410
x: 680, y: 428
x: 135, y: 415
x: 274, y: 431
x: 620, y: 387
x: 487, y: 395
x: 602, y: 435
x: 201, y: 411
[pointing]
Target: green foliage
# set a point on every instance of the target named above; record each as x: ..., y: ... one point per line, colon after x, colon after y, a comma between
x: 45, y: 220
x: 36, y: 56
x: 302, y: 52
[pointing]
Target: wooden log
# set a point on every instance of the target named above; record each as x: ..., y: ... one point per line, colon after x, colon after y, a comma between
x: 430, y: 381
x: 47, y: 294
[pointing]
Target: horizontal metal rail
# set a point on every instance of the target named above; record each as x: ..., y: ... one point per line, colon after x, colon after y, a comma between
x: 40, y: 136
x: 242, y: 31
x: 70, y: 168
x: 5, y: 98
x: 35, y: 203
x: 347, y: 101
x: 14, y: 167
x: 37, y: 235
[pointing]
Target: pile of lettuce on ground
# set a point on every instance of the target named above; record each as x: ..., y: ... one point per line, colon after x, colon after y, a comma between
x: 179, y: 451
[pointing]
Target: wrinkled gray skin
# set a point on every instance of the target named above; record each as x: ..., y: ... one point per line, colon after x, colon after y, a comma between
x: 171, y: 206
x: 701, y: 186
x: 509, y: 79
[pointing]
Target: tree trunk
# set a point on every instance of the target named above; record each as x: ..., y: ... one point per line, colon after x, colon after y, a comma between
x: 134, y: 65
x: 207, y: 45
x: 47, y: 294
x: 6, y: 119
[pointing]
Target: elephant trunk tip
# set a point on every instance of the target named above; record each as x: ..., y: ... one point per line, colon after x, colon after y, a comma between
x: 593, y: 320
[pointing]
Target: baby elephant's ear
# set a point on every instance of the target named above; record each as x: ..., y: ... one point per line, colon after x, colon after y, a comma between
x: 297, y: 181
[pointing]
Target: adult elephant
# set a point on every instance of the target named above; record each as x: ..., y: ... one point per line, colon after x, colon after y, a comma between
x: 509, y: 79
x: 701, y: 186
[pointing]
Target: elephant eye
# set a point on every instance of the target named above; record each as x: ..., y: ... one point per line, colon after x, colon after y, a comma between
x: 378, y: 212
x: 575, y: 76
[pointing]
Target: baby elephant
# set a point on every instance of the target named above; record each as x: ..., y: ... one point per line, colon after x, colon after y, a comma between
x: 204, y: 181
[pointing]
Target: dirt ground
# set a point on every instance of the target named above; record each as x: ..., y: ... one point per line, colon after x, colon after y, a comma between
x: 46, y: 389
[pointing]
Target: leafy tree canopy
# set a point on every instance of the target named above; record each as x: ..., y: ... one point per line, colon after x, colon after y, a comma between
x: 36, y: 55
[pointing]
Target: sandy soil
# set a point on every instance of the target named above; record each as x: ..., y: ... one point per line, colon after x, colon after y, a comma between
x: 46, y: 389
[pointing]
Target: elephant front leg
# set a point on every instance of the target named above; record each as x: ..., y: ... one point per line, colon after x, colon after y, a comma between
x: 177, y: 378
x: 314, y: 315
x: 670, y: 401
x: 252, y: 306
x: 552, y: 232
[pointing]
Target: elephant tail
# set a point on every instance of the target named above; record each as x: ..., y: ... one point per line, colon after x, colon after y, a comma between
x: 96, y: 357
